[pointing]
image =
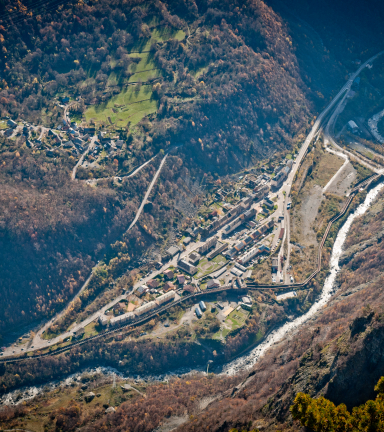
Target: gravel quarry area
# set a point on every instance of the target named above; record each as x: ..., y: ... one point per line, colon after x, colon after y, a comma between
x: 343, y: 182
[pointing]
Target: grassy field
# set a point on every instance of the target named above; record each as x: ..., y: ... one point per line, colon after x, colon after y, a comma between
x: 206, y: 267
x: 158, y: 35
x: 131, y: 105
x: 326, y: 168
x: 234, y: 320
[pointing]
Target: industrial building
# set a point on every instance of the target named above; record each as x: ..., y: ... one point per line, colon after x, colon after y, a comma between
x: 352, y: 126
x: 275, y: 265
x: 198, y: 312
x: 202, y: 306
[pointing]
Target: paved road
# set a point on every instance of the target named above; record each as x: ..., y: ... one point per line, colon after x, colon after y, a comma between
x: 328, y: 131
x: 80, y: 161
x: 287, y: 185
x: 38, y: 342
x: 149, y: 190
x: 134, y: 172
x: 316, y: 127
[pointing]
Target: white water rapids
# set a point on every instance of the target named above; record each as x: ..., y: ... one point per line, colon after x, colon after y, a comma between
x: 248, y: 360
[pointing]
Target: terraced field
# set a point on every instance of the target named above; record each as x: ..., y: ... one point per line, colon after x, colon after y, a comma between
x: 131, y: 105
x: 134, y: 102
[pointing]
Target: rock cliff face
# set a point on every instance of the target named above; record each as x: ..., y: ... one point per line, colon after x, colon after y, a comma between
x: 345, y: 358
x: 345, y: 371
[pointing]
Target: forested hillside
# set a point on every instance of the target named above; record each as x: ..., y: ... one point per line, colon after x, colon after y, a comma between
x: 228, y: 81
x: 221, y: 78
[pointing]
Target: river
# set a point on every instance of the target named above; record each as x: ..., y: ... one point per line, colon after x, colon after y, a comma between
x: 248, y: 360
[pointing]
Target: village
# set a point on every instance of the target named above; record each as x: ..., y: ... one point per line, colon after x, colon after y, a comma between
x: 220, y: 252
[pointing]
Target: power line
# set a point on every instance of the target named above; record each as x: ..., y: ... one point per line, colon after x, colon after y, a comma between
x: 23, y: 13
x: 43, y: 8
x: 27, y: 8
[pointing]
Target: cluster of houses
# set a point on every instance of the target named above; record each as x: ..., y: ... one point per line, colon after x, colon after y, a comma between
x: 11, y: 127
x: 219, y: 223
x: 251, y: 238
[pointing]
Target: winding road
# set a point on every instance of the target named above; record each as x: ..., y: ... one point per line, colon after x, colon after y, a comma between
x: 39, y: 343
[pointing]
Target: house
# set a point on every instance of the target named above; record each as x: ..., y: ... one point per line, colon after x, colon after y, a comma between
x: 103, y: 320
x: 180, y: 279
x: 90, y: 130
x: 11, y: 123
x: 194, y: 258
x: 187, y: 240
x: 68, y: 144
x: 78, y: 141
x: 169, y: 274
x: 64, y: 99
x: 269, y: 203
x: 213, y: 283
x: 195, y: 232
x: 168, y: 286
x: 173, y: 250
x: 187, y: 267
x: 152, y: 283
x: 142, y: 290
x: 252, y: 181
x: 78, y: 334
x: 119, y: 143
x: 189, y: 289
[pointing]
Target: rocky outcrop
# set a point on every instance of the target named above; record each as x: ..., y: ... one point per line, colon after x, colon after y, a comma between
x: 89, y: 397
x: 355, y: 250
x: 344, y: 371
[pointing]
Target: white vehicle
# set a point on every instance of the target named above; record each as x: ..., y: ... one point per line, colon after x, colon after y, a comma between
x: 292, y: 280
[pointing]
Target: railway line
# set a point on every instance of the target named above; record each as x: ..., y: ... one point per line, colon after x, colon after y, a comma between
x: 248, y: 286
